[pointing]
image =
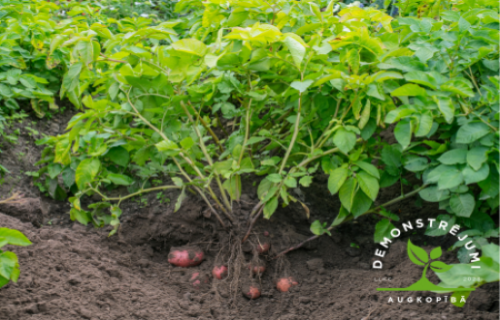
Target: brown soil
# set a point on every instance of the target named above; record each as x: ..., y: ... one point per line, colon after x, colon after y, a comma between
x: 76, y: 272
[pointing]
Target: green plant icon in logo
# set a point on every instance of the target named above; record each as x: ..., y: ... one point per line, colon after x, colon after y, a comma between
x: 420, y: 257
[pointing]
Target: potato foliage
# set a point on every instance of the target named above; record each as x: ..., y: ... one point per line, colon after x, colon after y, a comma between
x: 279, y: 89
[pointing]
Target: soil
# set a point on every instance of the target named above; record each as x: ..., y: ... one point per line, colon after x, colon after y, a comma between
x: 76, y: 272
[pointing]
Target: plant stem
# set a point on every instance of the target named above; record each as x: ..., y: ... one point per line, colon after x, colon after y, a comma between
x: 294, y: 137
x: 120, y: 199
x: 247, y: 131
x: 485, y: 122
x: 205, y: 125
x: 112, y: 60
x: 471, y: 75
x: 252, y: 224
x: 182, y: 155
x: 337, y: 108
x: 344, y: 114
x: 210, y: 162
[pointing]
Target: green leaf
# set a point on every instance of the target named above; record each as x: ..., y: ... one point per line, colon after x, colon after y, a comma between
x: 55, y: 191
x: 14, y: 237
x: 68, y: 176
x: 181, y: 198
x: 344, y: 140
x: 425, y: 122
x: 369, y: 129
x: 361, y: 204
x: 365, y: 115
x: 8, y: 261
x: 290, y: 182
x: 270, y: 207
x: 415, y: 163
x: 166, y: 145
x: 86, y: 171
x: 191, y: 46
x: 236, y: 18
x: 422, y: 78
x: 118, y: 155
x: 317, y: 228
x: 450, y: 179
x: 297, y: 50
x: 71, y: 78
x: 459, y: 86
x: 398, y: 114
x: 447, y: 109
x: 263, y: 188
x: 476, y: 157
x: 254, y: 140
x: 409, y: 90
x: 416, y: 254
x: 301, y: 85
x: 462, y: 204
x: 492, y: 251
x: 436, y: 173
x: 305, y: 181
x: 454, y: 156
x: 187, y: 143
x: 352, y: 58
x: 471, y: 132
x: 435, y: 230
x: 347, y: 193
x: 402, y: 132
x: 54, y: 169
x: 391, y: 156
x: 383, y: 230
x: 463, y: 25
x: 433, y: 194
x: 274, y: 177
x: 80, y: 215
x: 368, y: 184
x: 439, y: 266
x: 436, y: 253
x: 369, y: 168
x: 472, y: 176
x: 337, y: 179
x: 120, y: 179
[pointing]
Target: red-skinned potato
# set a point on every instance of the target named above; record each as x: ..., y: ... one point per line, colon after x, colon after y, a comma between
x: 257, y: 268
x: 263, y: 247
x: 185, y: 256
x: 284, y: 284
x: 219, y: 272
x: 251, y: 291
x: 197, y: 279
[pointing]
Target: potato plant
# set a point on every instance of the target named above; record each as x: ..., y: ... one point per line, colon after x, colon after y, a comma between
x: 283, y: 90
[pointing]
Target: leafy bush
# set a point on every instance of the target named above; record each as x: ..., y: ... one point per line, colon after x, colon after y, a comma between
x: 282, y: 90
x: 29, y: 65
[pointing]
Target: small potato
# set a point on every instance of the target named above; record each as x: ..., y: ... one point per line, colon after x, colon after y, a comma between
x: 263, y: 247
x: 185, y: 256
x: 257, y: 269
x: 198, y: 279
x: 219, y: 272
x: 251, y: 291
x: 284, y: 284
